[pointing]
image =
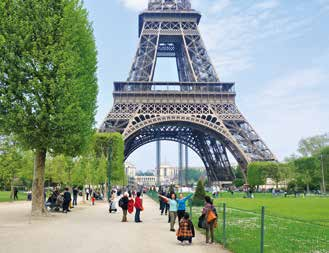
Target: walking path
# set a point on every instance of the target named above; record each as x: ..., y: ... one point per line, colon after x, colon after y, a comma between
x: 91, y: 229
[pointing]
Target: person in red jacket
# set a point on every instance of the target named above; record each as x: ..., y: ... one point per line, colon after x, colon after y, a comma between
x: 138, y: 207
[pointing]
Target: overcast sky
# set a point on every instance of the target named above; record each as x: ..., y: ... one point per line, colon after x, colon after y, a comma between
x: 276, y: 51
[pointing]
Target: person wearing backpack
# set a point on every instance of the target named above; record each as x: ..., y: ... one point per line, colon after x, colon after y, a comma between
x: 123, y: 203
x: 209, y: 211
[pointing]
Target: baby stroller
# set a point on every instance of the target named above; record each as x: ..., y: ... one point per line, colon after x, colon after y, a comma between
x: 112, y: 207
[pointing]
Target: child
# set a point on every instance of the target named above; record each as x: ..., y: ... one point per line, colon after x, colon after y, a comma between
x: 186, y: 229
x: 93, y: 200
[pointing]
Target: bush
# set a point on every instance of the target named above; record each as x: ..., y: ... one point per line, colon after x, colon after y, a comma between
x: 200, y: 193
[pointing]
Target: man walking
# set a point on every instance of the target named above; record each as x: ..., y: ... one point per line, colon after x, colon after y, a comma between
x: 75, y: 196
x: 67, y: 200
x: 15, y: 193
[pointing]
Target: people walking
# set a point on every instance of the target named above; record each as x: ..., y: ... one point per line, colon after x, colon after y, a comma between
x: 87, y: 193
x: 182, y: 205
x: 210, y: 219
x: 138, y: 207
x: 131, y: 203
x: 112, y: 203
x: 15, y: 193
x: 162, y: 204
x: 75, y: 196
x: 123, y: 203
x: 172, y: 210
x: 186, y: 229
x: 67, y: 200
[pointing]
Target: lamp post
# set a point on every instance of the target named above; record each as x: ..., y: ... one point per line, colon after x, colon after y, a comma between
x: 323, y: 180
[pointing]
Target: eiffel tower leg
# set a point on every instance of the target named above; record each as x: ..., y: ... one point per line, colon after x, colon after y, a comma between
x: 214, y: 156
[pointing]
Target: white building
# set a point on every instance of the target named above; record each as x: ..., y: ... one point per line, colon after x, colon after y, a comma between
x: 130, y: 170
x: 168, y: 175
x: 145, y: 180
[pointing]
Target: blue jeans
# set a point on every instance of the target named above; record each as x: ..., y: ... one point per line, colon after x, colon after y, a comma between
x: 137, y: 215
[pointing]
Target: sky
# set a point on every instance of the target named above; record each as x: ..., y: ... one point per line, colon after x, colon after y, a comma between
x: 276, y: 51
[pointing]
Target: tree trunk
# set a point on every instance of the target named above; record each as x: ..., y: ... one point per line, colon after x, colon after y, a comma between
x: 308, y: 188
x: 38, y: 200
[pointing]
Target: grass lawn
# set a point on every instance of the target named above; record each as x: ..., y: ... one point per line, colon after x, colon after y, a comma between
x: 292, y: 225
x: 5, y: 196
x: 310, y: 209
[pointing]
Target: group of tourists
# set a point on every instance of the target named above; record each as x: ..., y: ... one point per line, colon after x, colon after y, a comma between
x: 177, y: 209
x: 62, y: 200
x: 128, y: 203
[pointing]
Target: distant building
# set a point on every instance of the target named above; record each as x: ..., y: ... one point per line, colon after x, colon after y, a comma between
x: 168, y: 175
x: 145, y: 180
x: 130, y: 171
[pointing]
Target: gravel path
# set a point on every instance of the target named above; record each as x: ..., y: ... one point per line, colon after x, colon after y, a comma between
x: 91, y: 229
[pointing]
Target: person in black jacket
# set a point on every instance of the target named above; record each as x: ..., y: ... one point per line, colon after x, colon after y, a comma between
x: 75, y: 196
x: 67, y: 200
x: 123, y: 203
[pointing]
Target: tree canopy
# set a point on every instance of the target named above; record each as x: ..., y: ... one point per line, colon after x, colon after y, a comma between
x: 48, y: 85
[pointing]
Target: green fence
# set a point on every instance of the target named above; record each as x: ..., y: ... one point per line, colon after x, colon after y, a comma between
x: 243, y: 231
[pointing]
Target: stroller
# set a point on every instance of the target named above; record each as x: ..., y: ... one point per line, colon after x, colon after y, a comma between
x: 112, y: 207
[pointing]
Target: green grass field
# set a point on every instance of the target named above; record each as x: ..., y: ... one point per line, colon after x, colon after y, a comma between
x: 5, y: 196
x: 310, y: 209
x: 292, y: 225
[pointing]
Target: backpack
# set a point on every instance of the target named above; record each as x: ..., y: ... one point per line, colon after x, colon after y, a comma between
x: 121, y: 202
x: 214, y: 210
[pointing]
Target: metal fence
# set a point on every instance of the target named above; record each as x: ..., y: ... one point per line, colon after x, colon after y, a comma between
x: 245, y: 231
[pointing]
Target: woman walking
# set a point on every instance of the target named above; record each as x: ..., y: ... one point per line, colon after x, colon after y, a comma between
x: 210, y: 219
x: 138, y: 207
x: 123, y: 203
x: 172, y: 210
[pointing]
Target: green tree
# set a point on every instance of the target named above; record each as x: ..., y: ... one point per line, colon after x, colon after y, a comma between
x: 48, y: 85
x: 312, y: 145
x: 111, y: 146
x: 200, y: 193
x: 193, y: 175
x: 257, y: 174
x: 323, y: 157
x: 307, y: 170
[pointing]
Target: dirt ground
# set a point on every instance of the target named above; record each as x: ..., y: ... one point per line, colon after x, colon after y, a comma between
x: 91, y: 229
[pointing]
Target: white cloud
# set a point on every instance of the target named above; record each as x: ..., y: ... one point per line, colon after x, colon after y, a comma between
x: 234, y: 35
x: 219, y: 6
x: 296, y: 82
x: 136, y: 5
x: 289, y: 108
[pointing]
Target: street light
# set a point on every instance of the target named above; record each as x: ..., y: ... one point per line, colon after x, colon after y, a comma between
x: 323, y: 181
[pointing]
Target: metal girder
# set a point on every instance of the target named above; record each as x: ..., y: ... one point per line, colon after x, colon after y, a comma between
x: 198, y: 111
x: 205, y: 143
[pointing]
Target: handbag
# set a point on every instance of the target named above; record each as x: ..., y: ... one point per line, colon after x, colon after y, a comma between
x: 202, y: 222
x: 211, y: 216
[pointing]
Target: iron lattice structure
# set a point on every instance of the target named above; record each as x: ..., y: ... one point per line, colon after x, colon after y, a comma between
x: 198, y: 111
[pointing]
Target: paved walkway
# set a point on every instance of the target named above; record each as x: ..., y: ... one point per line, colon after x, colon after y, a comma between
x: 91, y: 229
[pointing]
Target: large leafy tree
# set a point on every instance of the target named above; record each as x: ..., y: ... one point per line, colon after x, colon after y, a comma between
x: 48, y: 86
x: 111, y: 146
x: 312, y: 145
x: 257, y: 174
x: 307, y: 169
x: 323, y: 156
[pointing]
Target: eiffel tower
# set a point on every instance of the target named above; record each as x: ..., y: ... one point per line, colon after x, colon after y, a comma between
x: 199, y: 111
